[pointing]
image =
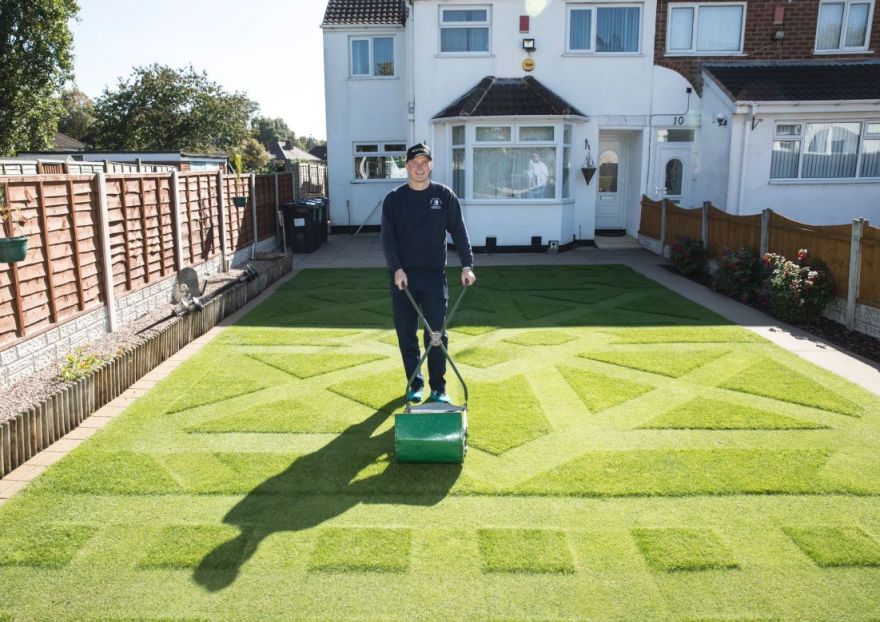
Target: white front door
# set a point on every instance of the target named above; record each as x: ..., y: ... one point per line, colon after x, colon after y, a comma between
x: 674, y: 173
x: 610, y: 196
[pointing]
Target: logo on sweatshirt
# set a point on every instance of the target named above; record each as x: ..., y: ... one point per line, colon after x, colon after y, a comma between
x: 436, y: 204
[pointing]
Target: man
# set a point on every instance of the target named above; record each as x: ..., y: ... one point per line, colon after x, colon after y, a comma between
x: 415, y: 219
x: 538, y: 176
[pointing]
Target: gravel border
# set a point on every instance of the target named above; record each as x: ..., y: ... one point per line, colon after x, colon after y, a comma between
x: 46, y: 382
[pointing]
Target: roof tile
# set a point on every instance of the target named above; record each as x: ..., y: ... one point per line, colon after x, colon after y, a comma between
x: 497, y: 97
x: 342, y: 12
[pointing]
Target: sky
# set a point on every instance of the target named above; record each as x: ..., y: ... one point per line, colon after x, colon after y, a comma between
x: 272, y: 50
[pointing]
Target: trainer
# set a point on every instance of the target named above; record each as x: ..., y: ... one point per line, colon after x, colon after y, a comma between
x: 415, y: 220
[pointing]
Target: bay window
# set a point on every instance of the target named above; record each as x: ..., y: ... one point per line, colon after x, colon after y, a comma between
x: 464, y: 29
x: 826, y: 150
x: 843, y: 25
x: 372, y: 57
x: 512, y: 161
x: 715, y: 28
x: 604, y: 29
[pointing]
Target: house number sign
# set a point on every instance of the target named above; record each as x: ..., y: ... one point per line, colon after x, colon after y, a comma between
x: 528, y: 64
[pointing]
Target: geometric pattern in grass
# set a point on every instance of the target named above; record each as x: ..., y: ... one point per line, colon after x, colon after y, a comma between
x: 683, y: 549
x: 117, y: 472
x: 43, y: 546
x: 188, y: 546
x: 684, y: 334
x: 665, y: 362
x: 540, y: 338
x: 587, y: 296
x: 273, y: 336
x: 532, y: 551
x: 383, y: 390
x: 223, y: 379
x: 534, y: 309
x: 671, y: 305
x: 505, y: 415
x: 483, y: 357
x: 673, y: 472
x: 473, y: 323
x: 288, y: 416
x: 304, y: 365
x: 598, y: 391
x: 616, y: 317
x: 362, y: 550
x: 705, y: 414
x: 768, y: 378
x: 831, y: 547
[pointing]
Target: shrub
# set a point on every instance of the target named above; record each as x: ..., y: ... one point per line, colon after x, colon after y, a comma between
x: 688, y: 256
x: 794, y: 291
x: 80, y: 363
x: 740, y: 274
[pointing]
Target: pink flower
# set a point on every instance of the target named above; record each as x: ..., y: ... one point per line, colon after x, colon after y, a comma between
x: 802, y: 254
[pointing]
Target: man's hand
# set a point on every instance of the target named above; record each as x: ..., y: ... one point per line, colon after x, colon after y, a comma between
x: 400, y: 278
x: 467, y: 277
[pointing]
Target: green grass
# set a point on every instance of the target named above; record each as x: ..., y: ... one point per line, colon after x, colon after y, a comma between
x: 363, y: 550
x: 683, y: 549
x: 832, y: 547
x: 685, y: 469
x: 525, y: 550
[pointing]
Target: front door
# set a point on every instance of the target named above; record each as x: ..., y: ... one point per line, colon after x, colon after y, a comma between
x: 611, y: 174
x: 674, y: 173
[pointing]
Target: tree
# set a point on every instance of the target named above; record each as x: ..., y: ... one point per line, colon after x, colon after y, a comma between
x: 268, y: 130
x: 254, y: 156
x: 35, y: 45
x: 161, y: 108
x: 78, y: 115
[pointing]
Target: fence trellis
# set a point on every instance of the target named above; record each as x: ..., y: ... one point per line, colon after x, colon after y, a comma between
x: 843, y: 248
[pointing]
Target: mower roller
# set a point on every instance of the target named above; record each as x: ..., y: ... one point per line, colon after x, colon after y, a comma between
x: 433, y: 431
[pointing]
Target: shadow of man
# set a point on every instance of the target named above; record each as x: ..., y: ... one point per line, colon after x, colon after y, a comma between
x: 320, y: 486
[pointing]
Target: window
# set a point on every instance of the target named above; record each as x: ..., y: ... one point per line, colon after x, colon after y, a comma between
x: 380, y: 160
x: 674, y: 175
x: 843, y: 25
x: 604, y: 29
x: 715, y: 28
x: 608, y: 167
x: 511, y: 162
x: 826, y: 150
x: 464, y: 29
x: 372, y: 57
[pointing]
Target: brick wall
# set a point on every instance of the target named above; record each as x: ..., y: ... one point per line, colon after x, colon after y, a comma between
x: 800, y: 36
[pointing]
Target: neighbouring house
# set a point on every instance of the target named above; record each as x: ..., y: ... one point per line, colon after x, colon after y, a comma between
x: 658, y: 97
x: 286, y: 152
x: 180, y: 160
x: 63, y: 142
x: 319, y: 152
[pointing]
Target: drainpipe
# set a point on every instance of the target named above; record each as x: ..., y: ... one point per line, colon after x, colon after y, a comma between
x: 747, y: 125
x: 410, y: 70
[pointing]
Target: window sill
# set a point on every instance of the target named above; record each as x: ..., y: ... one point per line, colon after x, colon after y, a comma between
x: 840, y: 52
x: 822, y: 182
x: 700, y: 54
x: 508, y: 202
x: 369, y: 78
x: 601, y: 54
x: 392, y: 180
x: 464, y: 55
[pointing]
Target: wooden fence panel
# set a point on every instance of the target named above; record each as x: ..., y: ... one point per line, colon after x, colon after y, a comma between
x: 285, y: 188
x: 649, y: 225
x: 729, y: 232
x: 683, y: 223
x: 266, y: 219
x: 199, y: 217
x: 869, y: 274
x: 239, y: 220
x: 829, y: 243
x: 157, y: 223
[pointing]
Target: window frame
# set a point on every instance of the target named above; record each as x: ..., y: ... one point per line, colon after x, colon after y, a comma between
x: 800, y: 138
x: 842, y: 49
x: 695, y: 28
x: 594, y: 18
x: 371, y: 39
x: 381, y: 151
x: 558, y: 143
x: 444, y: 25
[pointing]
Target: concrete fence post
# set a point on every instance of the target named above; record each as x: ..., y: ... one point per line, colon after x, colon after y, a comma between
x: 855, y: 267
x: 663, y: 205
x: 175, y: 219
x: 107, y: 260
x: 221, y: 204
x: 277, y: 208
x: 765, y: 231
x: 704, y: 224
x: 293, y: 185
x: 252, y: 187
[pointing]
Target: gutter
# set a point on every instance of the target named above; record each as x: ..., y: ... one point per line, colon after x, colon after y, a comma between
x: 410, y: 70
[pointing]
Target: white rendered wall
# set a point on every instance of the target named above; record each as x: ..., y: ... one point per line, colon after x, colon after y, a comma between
x: 712, y: 163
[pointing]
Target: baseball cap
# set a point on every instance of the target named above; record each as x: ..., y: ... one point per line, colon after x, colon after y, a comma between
x: 416, y: 150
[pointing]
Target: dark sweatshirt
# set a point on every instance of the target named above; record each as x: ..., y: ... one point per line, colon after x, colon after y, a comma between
x: 414, y: 226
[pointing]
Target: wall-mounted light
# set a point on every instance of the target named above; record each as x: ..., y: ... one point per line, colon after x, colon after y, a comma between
x: 720, y: 119
x: 528, y: 45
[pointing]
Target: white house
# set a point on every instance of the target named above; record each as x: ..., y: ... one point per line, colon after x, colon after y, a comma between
x: 500, y: 88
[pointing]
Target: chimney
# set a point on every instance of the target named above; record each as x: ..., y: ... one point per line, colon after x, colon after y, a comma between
x: 288, y: 144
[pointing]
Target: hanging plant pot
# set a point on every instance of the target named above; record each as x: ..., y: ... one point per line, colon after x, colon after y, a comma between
x: 239, y: 201
x: 588, y: 172
x: 13, y: 249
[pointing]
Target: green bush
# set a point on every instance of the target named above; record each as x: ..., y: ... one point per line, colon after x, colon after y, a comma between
x: 688, y: 256
x: 794, y: 291
x: 80, y: 363
x: 740, y: 274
